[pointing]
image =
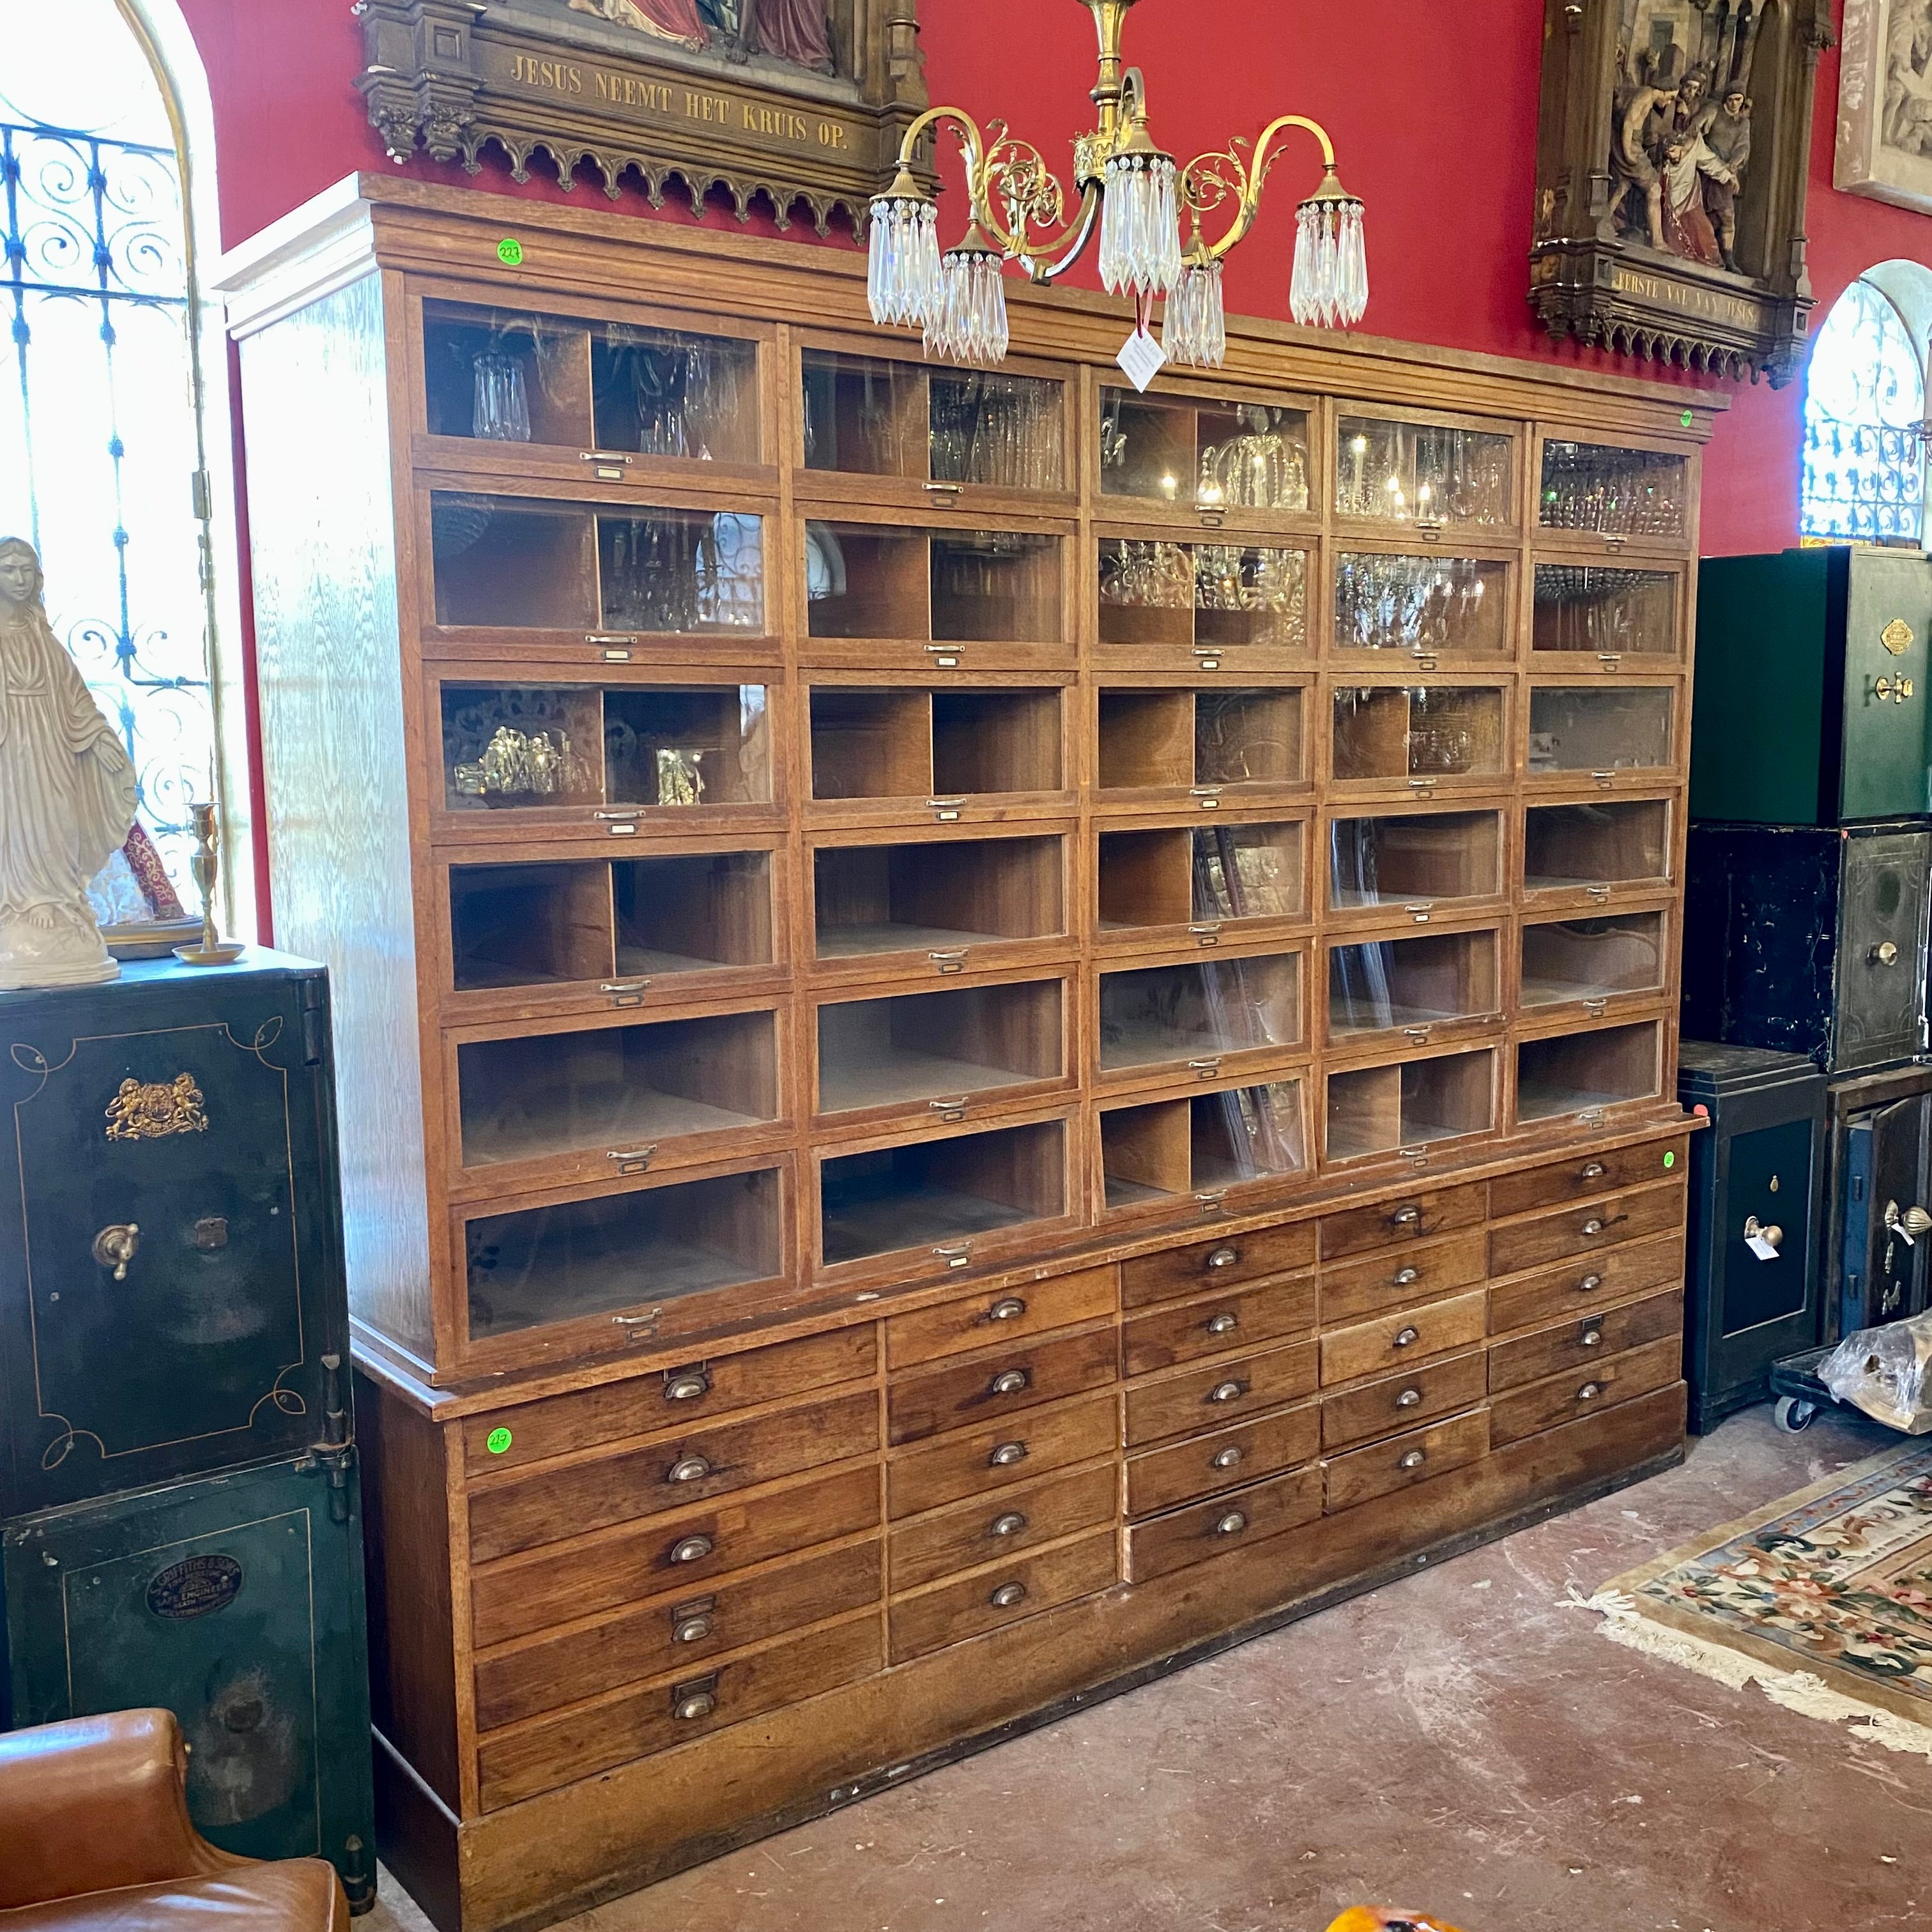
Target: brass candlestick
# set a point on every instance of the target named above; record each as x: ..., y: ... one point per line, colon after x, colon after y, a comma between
x: 214, y: 950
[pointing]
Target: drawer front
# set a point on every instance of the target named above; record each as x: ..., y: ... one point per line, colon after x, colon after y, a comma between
x: 1206, y: 1265
x: 538, y: 1508
x: 1580, y: 1288
x: 1361, y: 1230
x: 1584, y: 1175
x: 1234, y: 1522
x: 1578, y: 1392
x: 672, y: 1400
x: 552, y: 1585
x: 1007, y: 1314
x: 1582, y: 1230
x: 579, y: 1744
x: 996, y: 1597
x: 1204, y: 1465
x: 1353, y: 1290
x: 1401, y: 1402
x: 1408, y: 1335
x: 984, y: 1459
x: 1208, y: 1398
x: 1007, y: 1526
x: 675, y: 1633
x: 1002, y: 1384
x: 1363, y: 1475
x: 1185, y: 1331
x: 1585, y: 1340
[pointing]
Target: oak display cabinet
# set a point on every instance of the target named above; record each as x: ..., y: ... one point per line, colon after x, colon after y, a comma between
x: 989, y: 1027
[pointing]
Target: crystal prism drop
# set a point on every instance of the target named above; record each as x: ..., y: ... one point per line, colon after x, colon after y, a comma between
x: 1194, y: 331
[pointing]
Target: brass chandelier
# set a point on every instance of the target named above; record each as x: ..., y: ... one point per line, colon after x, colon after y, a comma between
x: 1135, y: 195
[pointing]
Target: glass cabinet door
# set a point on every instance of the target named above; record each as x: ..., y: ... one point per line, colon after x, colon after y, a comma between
x: 1582, y: 1073
x: 1428, y: 606
x: 1191, y: 1016
x: 1213, y: 456
x: 1612, y: 614
x: 1414, y: 860
x: 1593, y: 960
x: 1171, y: 744
x: 1429, y: 476
x: 1177, y: 882
x: 1187, y: 1151
x: 1597, y: 849
x: 1597, y: 732
x: 1418, y: 736
x: 1638, y: 495
x: 1417, y: 983
x: 1159, y: 602
x: 1409, y: 1104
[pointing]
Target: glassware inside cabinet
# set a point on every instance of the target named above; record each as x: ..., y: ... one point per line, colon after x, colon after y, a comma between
x: 1000, y: 431
x: 1200, y: 1011
x: 1416, y: 982
x: 1594, y: 730
x: 1392, y: 732
x: 619, y: 1087
x: 1592, y: 959
x: 682, y: 571
x: 522, y: 747
x: 529, y: 925
x: 503, y: 376
x: 1582, y: 607
x: 692, y: 912
x: 1425, y: 474
x: 1616, y: 842
x: 1578, y: 1073
x: 1404, y: 858
x: 1206, y: 454
x: 1202, y: 1144
x: 1428, y: 605
x: 1379, y: 1110
x: 931, y: 1047
x: 532, y: 1267
x: 662, y: 392
x: 1184, y: 875
x: 688, y: 746
x: 938, y: 896
x: 864, y: 415
x: 1619, y: 493
x: 934, y: 1193
x: 1155, y: 592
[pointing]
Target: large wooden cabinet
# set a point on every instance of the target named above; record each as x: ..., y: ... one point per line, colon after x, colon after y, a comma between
x: 989, y: 1028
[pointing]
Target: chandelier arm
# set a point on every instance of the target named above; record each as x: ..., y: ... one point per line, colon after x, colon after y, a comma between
x: 1043, y: 260
x: 1249, y: 180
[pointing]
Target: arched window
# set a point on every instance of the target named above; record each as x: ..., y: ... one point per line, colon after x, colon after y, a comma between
x: 102, y: 447
x: 1864, y: 411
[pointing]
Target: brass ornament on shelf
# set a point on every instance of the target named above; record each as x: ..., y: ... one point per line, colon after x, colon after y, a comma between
x: 515, y: 766
x: 1897, y: 637
x: 212, y: 949
x: 679, y: 780
x: 155, y: 1110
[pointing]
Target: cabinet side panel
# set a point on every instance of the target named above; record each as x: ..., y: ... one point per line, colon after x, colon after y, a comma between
x: 335, y: 766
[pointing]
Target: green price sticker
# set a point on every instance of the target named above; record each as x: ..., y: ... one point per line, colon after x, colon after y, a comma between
x: 510, y: 252
x: 1670, y: 1160
x: 1687, y: 418
x: 497, y: 1441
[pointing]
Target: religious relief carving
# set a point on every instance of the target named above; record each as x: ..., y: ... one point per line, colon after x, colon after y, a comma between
x: 1885, y: 102
x: 1672, y: 175
x: 790, y: 100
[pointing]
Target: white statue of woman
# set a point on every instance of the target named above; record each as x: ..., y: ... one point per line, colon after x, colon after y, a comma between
x: 67, y: 794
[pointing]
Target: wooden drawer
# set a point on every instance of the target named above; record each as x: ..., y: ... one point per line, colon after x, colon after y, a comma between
x: 1205, y: 1264
x: 986, y: 1458
x: 1363, y: 1475
x: 1581, y: 1230
x: 675, y: 1633
x: 1019, y: 1520
x: 1414, y: 1217
x: 1208, y: 1398
x: 1184, y: 1331
x: 674, y: 1399
x: 1401, y: 1402
x: 1353, y: 1290
x: 557, y: 1583
x: 996, y: 1597
x: 1584, y: 1339
x: 1204, y: 1465
x: 578, y: 1744
x: 994, y: 1385
x: 1578, y: 1392
x: 547, y: 1504
x: 989, y: 1317
x: 1408, y: 1335
x: 1236, y: 1521
x: 1587, y: 1174
x: 1580, y: 1288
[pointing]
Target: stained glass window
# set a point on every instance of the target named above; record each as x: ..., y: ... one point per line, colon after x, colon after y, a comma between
x: 99, y: 446
x: 1865, y: 460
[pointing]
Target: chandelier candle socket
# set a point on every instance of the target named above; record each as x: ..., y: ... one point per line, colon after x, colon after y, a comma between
x: 1135, y: 197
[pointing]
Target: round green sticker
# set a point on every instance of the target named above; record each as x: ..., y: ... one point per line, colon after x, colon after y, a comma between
x: 1670, y: 1160
x: 1687, y: 418
x: 510, y: 251
x: 497, y: 1441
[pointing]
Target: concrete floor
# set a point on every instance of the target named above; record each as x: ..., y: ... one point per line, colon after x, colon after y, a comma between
x: 1463, y: 1742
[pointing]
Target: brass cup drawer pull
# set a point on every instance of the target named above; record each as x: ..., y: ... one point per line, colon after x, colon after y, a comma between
x: 1406, y: 1217
x: 1222, y: 1324
x: 1403, y: 1276
x: 1590, y: 1338
x: 687, y: 1385
x: 1010, y: 1382
x: 1006, y: 1455
x: 1590, y: 1284
x: 1227, y: 1392
x: 1224, y: 1257
x: 1589, y: 1391
x: 1229, y: 1458
x: 689, y: 1469
x: 1232, y: 1524
x: 1593, y: 1170
x: 1008, y: 1595
x: 1409, y: 1398
x: 1413, y: 1459
x: 1593, y: 1227
x: 692, y: 1549
x: 693, y: 1622
x: 1011, y: 1524
x: 692, y: 1701
x: 1008, y: 1308
x: 1406, y: 1338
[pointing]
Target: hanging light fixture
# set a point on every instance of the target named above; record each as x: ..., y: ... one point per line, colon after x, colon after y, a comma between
x: 1135, y: 195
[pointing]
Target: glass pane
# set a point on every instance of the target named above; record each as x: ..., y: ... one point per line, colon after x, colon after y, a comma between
x: 661, y: 392
x: 584, y: 1258
x: 1864, y: 468
x: 691, y: 913
x: 682, y: 571
x: 996, y: 741
x: 619, y: 1087
x: 1436, y: 731
x: 940, y: 1191
x: 529, y: 925
x: 1247, y: 871
x: 1413, y: 856
x: 1248, y: 737
x: 1203, y: 1143
x: 865, y: 417
x: 521, y: 746
x: 500, y: 564
x: 1621, y: 492
x: 1426, y: 604
x: 1165, y: 593
x: 1594, y: 730
x: 1407, y: 472
x: 1596, y: 845
x: 1375, y: 1110
x: 1583, y: 607
x: 1575, y: 1072
x: 1591, y: 959
x: 991, y: 585
x: 688, y: 746
x: 927, y: 1046
x: 1006, y: 432
x: 1236, y: 456
x: 503, y: 376
x: 1416, y: 982
x: 942, y: 895
x: 1198, y: 1011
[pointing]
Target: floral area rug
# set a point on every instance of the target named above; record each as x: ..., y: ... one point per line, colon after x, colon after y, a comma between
x: 1823, y: 1601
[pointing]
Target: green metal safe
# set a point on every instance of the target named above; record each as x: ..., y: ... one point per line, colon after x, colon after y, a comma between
x: 1811, y: 697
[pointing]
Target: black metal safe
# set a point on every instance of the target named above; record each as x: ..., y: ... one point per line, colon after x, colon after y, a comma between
x: 1756, y: 1194
x: 1878, y: 1253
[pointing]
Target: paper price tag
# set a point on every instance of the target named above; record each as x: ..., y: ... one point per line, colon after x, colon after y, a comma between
x: 1760, y: 1247
x: 1142, y: 358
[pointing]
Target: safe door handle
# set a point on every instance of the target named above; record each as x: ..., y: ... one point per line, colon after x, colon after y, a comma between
x: 115, y: 1246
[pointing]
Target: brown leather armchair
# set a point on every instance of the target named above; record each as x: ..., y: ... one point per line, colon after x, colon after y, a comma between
x: 94, y: 1836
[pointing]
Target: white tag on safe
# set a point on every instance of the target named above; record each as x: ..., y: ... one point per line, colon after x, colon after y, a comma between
x: 1760, y: 1247
x: 1142, y: 358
